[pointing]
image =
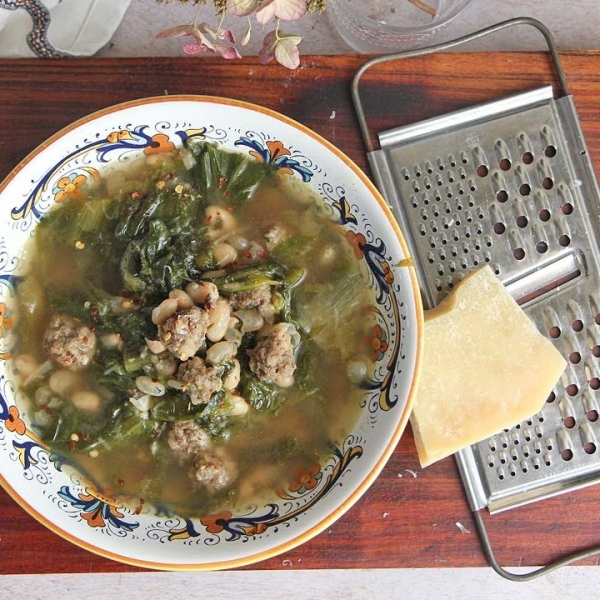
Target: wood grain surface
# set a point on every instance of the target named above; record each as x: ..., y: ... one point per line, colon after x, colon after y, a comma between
x: 410, y: 517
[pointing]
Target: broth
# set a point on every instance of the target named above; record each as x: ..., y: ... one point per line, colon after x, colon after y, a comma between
x: 157, y: 405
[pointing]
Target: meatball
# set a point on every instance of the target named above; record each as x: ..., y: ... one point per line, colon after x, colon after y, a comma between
x: 272, y: 359
x: 212, y: 471
x: 274, y: 235
x: 207, y: 466
x: 69, y: 343
x: 200, y: 381
x: 248, y: 300
x: 184, y: 332
x: 187, y: 439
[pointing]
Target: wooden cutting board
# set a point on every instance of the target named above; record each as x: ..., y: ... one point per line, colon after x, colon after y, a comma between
x: 410, y: 517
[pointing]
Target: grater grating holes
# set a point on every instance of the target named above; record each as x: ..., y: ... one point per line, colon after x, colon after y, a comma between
x: 572, y: 390
x: 547, y: 183
x: 567, y: 208
x: 525, y: 189
x: 544, y: 215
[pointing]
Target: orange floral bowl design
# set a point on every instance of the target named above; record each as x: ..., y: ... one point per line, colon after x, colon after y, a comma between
x: 146, y: 535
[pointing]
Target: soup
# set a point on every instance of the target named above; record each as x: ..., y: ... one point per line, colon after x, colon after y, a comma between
x: 192, y: 332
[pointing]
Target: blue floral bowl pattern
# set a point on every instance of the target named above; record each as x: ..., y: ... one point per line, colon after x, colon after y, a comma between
x: 60, y: 497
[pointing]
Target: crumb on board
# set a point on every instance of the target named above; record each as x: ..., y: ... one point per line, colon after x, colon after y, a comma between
x: 461, y: 527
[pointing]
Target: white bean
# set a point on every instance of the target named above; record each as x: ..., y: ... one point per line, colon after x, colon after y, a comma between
x: 165, y: 364
x: 86, y: 400
x: 220, y: 352
x: 357, y: 370
x: 218, y: 319
x: 224, y: 254
x: 239, y: 243
x: 141, y: 403
x: 149, y: 386
x: 267, y: 312
x: 25, y: 365
x: 251, y: 319
x: 285, y: 382
x: 202, y: 291
x: 43, y: 395
x: 176, y: 384
x: 39, y: 373
x: 63, y: 381
x: 218, y: 221
x: 183, y: 299
x: 239, y: 407
x: 233, y: 378
x: 42, y: 418
x: 328, y: 255
x: 233, y: 335
x: 290, y: 329
x: 112, y: 341
x: 164, y: 310
x: 155, y: 346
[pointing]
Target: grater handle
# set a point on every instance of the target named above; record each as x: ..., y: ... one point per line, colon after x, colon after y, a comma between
x: 535, y: 573
x: 362, y: 121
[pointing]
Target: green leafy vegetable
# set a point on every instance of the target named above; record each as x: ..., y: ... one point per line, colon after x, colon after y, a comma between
x: 225, y: 178
x: 125, y: 427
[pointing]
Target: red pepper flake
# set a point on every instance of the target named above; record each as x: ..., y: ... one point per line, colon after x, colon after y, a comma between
x: 229, y: 208
x: 126, y: 212
x: 222, y: 181
x: 139, y: 507
x: 121, y: 482
x: 136, y: 195
x: 94, y: 310
x: 208, y: 219
x: 168, y: 176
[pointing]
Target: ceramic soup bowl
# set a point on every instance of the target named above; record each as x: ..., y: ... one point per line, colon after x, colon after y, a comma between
x: 60, y: 497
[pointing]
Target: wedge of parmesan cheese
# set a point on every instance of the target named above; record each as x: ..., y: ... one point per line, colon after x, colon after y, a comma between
x: 485, y: 368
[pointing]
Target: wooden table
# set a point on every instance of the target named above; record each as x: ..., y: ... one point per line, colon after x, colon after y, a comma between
x: 410, y: 517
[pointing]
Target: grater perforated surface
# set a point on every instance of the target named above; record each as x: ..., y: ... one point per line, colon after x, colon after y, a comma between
x: 510, y: 184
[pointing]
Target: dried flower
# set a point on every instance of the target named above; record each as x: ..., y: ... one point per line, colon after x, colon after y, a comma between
x: 278, y: 45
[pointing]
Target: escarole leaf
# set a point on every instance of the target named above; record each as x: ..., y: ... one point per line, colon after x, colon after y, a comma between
x: 225, y: 178
x: 124, y: 428
x: 251, y: 277
x: 175, y: 407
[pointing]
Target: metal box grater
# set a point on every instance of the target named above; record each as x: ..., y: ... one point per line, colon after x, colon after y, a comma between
x: 509, y: 184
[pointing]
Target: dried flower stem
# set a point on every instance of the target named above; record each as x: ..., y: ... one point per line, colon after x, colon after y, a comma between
x: 423, y: 6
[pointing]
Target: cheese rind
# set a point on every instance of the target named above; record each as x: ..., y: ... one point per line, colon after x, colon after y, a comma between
x: 485, y: 368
